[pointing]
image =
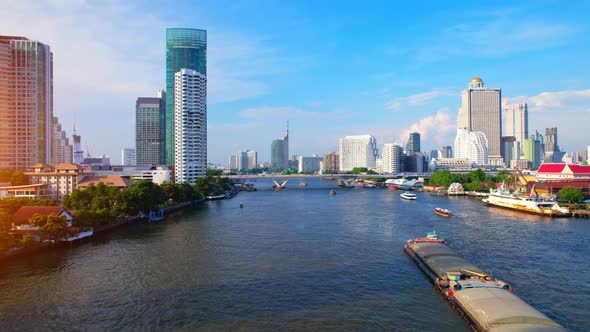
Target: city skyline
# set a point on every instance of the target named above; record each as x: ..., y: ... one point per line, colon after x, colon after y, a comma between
x: 405, y: 87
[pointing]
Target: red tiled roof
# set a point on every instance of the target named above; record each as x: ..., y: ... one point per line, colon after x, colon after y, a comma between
x: 67, y: 166
x: 108, y: 180
x: 551, y: 168
x: 580, y: 169
x: 24, y: 213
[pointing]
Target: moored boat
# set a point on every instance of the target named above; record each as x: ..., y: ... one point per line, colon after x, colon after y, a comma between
x: 535, y: 204
x: 391, y: 187
x: 215, y: 197
x: 408, y: 195
x: 369, y: 185
x: 443, y: 212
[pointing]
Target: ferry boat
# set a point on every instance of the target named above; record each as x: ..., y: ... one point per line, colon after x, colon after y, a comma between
x: 408, y: 195
x: 535, y: 204
x: 443, y: 212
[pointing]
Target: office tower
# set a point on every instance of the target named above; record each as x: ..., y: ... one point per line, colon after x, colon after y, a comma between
x: 331, y: 162
x: 413, y: 145
x: 249, y: 159
x: 309, y: 164
x: 415, y: 163
x: 480, y: 111
x: 532, y: 152
x: 357, y: 151
x: 510, y: 149
x: 392, y: 158
x: 150, y: 113
x: 447, y: 151
x: 61, y: 149
x: 552, y: 151
x: 185, y: 48
x: 279, y: 152
x: 190, y: 125
x: 471, y: 145
x: 26, y: 102
x: 78, y: 154
x: 128, y: 156
x: 233, y: 162
x: 516, y: 122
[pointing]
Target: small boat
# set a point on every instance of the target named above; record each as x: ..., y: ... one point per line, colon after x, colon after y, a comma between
x: 280, y: 186
x: 153, y: 216
x: 303, y: 184
x: 215, y: 197
x: 408, y: 195
x: 369, y: 185
x: 443, y: 212
x: 391, y: 187
x: 332, y: 192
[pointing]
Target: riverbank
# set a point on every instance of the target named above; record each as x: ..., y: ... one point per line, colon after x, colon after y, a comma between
x: 119, y: 222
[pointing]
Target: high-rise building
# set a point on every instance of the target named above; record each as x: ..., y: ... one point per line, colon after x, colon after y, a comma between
x: 532, y: 152
x: 357, y: 151
x: 447, y: 151
x: 309, y: 164
x: 244, y: 160
x: 481, y: 112
x: 331, y: 162
x: 128, y: 156
x: 190, y: 125
x: 150, y: 114
x: 552, y: 152
x: 471, y: 145
x: 78, y: 154
x: 413, y: 145
x: 511, y: 149
x: 61, y: 149
x: 415, y: 163
x: 279, y: 152
x: 185, y: 48
x: 392, y: 156
x: 26, y: 102
x: 516, y: 122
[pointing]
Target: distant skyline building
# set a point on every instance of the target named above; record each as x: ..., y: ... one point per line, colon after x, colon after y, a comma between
x: 190, y: 125
x: 511, y: 150
x: 309, y: 164
x: 78, y: 153
x: 185, y: 49
x: 279, y: 152
x: 481, y: 111
x: 471, y: 145
x: 392, y: 157
x: 532, y: 152
x: 413, y: 145
x: 128, y: 156
x: 26, y: 102
x: 447, y: 151
x: 243, y: 160
x: 331, y: 162
x: 358, y: 151
x: 61, y: 149
x: 552, y: 151
x: 150, y: 113
x: 516, y: 122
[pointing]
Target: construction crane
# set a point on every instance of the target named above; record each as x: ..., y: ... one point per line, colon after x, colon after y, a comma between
x: 519, y: 181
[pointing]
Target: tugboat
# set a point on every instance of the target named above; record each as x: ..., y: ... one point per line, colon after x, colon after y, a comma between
x: 443, y: 212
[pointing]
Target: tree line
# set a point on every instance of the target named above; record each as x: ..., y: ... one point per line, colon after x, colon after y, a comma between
x: 476, y: 180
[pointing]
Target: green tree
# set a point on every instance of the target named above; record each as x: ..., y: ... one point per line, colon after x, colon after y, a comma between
x: 213, y: 172
x: 571, y: 195
x: 38, y: 220
x: 55, y: 225
x: 18, y: 178
x: 359, y: 170
x: 143, y: 196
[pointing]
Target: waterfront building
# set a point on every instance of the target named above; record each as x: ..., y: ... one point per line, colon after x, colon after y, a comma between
x: 128, y: 156
x: 471, y: 145
x: 552, y: 151
x: 480, y: 111
x: 413, y: 145
x: 279, y: 152
x: 453, y: 164
x: 26, y: 102
x: 358, y: 151
x: 392, y: 156
x: 415, y: 163
x: 309, y: 164
x: 61, y: 179
x: 150, y: 114
x: 185, y: 49
x: 157, y: 176
x: 447, y: 151
x: 33, y: 191
x: 190, y: 126
x: 532, y: 152
x: 562, y: 171
x: 331, y: 162
x: 516, y: 122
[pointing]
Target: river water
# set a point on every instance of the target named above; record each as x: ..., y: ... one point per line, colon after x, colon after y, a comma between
x: 295, y: 260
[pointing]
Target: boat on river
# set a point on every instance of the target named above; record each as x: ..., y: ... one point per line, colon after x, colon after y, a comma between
x: 153, y: 216
x: 332, y: 192
x: 486, y: 304
x: 408, y: 195
x: 443, y: 212
x: 369, y: 185
x: 281, y: 185
x: 215, y: 197
x: 533, y: 203
x: 391, y: 187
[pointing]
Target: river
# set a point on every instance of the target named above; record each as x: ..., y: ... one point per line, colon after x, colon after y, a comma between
x: 298, y: 259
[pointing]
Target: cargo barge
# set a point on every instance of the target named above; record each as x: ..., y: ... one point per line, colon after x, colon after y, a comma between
x: 486, y: 304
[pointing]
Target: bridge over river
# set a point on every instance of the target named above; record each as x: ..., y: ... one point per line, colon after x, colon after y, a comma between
x: 328, y: 176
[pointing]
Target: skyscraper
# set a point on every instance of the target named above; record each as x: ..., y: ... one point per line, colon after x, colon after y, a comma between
x: 471, y: 145
x: 78, y: 154
x: 190, y: 125
x: 447, y: 151
x: 279, y: 152
x: 358, y: 151
x: 413, y: 145
x: 392, y: 157
x: 26, y: 102
x: 331, y: 162
x: 150, y: 113
x: 185, y: 48
x: 532, y: 152
x: 61, y: 149
x: 480, y: 111
x: 516, y: 121
x: 128, y: 156
x: 552, y: 152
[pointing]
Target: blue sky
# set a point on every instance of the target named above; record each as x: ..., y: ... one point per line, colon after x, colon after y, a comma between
x: 335, y: 68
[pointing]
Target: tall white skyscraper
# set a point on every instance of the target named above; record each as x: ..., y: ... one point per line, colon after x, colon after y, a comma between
x: 128, y: 156
x: 480, y: 111
x: 392, y: 158
x: 516, y: 121
x: 190, y: 125
x: 471, y: 145
x: 358, y: 151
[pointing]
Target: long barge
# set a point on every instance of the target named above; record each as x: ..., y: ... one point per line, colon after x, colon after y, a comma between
x: 486, y: 304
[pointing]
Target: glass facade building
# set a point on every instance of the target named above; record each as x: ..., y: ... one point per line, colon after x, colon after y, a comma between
x: 185, y: 48
x: 150, y: 114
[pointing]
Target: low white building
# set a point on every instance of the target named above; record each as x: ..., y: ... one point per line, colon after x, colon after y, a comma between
x: 157, y: 176
x: 309, y: 164
x: 358, y: 151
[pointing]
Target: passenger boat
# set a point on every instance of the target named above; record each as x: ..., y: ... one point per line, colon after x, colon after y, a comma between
x: 408, y: 195
x: 215, y: 197
x: 443, y: 212
x: 487, y: 304
x: 332, y: 192
x: 391, y: 187
x: 535, y: 204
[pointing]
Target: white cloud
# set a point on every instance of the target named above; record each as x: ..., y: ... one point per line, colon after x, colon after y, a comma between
x: 419, y: 99
x: 570, y: 100
x: 435, y: 129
